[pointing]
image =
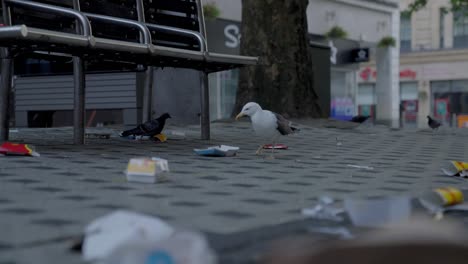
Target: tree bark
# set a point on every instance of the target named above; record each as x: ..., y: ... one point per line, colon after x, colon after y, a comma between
x: 276, y: 31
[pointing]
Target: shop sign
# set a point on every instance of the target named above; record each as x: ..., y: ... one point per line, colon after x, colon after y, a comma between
x: 409, y: 74
x: 360, y: 55
x: 368, y: 72
x: 342, y: 108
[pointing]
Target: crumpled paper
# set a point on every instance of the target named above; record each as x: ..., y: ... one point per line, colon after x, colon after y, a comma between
x: 324, y: 210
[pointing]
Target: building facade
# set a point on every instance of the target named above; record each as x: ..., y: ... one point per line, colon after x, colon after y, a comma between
x: 366, y: 22
x: 434, y: 58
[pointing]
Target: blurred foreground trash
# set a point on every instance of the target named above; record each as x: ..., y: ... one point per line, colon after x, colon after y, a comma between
x: 378, y: 212
x: 157, y: 138
x: 14, y: 149
x: 147, y: 170
x: 125, y: 237
x: 218, y: 151
x: 341, y: 232
x: 177, y: 135
x: 324, y: 210
x: 444, y: 199
x: 456, y: 168
x: 417, y: 241
x: 277, y: 146
x: 98, y: 135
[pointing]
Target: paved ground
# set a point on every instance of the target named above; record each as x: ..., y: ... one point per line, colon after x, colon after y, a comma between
x: 45, y: 200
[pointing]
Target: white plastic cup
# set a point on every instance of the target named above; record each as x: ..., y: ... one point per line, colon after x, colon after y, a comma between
x: 378, y: 212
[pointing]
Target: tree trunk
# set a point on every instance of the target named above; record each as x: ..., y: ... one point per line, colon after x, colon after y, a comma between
x: 276, y: 32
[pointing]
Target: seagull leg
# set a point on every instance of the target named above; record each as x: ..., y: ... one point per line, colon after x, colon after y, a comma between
x: 259, y: 150
x: 273, y: 151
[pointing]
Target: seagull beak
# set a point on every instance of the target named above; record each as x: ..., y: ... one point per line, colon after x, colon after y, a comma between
x: 239, y: 116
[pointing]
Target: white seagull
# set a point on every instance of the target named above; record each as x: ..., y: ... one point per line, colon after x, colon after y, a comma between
x: 266, y: 124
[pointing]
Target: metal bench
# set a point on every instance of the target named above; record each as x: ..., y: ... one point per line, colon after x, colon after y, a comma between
x: 141, y: 33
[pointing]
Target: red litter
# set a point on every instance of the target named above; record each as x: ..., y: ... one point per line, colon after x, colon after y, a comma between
x: 14, y: 149
x: 277, y: 146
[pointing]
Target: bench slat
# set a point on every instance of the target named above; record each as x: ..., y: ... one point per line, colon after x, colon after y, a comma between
x: 175, y: 21
x: 122, y: 9
x: 42, y: 20
x: 183, y: 6
x: 62, y: 3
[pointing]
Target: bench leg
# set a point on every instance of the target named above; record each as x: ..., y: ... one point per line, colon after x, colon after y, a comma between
x: 5, y: 89
x: 205, y: 106
x: 79, y: 101
x: 148, y: 94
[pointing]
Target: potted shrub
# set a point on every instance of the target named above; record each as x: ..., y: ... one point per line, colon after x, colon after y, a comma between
x: 211, y: 11
x: 336, y: 32
x: 387, y: 41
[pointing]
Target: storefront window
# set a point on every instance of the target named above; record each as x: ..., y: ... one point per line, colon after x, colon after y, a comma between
x: 366, y: 100
x: 342, y: 101
x: 448, y: 98
x: 409, y: 103
x: 223, y: 88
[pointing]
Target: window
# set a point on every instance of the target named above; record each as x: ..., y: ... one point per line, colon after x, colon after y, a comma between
x: 449, y: 97
x: 366, y: 94
x: 441, y: 27
x: 405, y: 32
x: 460, y: 29
x: 409, y: 103
x: 366, y: 100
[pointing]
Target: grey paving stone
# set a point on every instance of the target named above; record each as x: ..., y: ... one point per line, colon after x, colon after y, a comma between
x: 188, y: 204
x: 151, y: 195
x: 22, y: 211
x: 233, y: 214
x: 218, y: 195
x: 53, y: 222
x: 244, y: 185
x: 24, y: 181
x: 260, y: 201
x: 212, y: 178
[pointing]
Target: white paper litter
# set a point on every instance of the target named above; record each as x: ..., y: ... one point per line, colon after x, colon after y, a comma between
x: 360, y: 167
x: 147, y: 170
x: 341, y: 232
x: 324, y: 210
x: 106, y: 233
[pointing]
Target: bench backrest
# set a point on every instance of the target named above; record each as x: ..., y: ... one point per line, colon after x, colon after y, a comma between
x: 114, y: 8
x: 39, y: 19
x: 165, y: 19
x: 181, y: 14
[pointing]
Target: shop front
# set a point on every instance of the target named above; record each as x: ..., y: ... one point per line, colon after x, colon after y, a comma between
x: 431, y: 83
x: 450, y: 101
x: 409, y: 95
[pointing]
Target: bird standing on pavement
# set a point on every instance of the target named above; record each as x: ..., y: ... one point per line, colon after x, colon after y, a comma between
x: 359, y: 119
x: 149, y: 128
x: 266, y: 124
x: 432, y: 123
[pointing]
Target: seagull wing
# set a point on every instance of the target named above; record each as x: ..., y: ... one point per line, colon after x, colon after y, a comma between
x: 283, y: 125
